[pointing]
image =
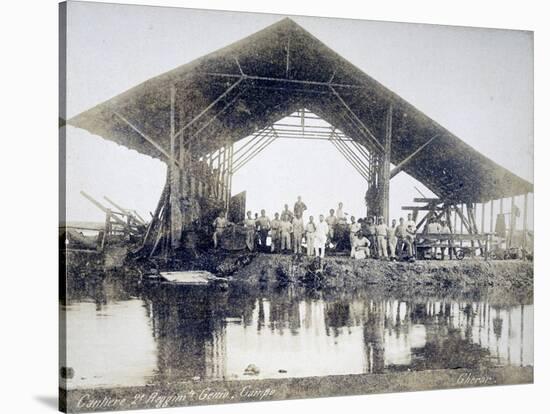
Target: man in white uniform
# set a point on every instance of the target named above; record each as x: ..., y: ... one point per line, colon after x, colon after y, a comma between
x: 321, y: 236
x: 311, y: 229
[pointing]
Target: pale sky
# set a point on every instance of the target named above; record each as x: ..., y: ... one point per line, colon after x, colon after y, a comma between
x: 477, y: 83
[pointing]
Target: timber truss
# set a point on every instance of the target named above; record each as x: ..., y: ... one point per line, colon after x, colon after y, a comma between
x: 300, y: 125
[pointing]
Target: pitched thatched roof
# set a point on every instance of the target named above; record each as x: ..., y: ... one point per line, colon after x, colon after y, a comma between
x: 285, y: 68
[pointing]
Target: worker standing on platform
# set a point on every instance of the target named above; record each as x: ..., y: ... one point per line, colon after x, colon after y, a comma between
x: 381, y: 238
x: 400, y: 233
x: 340, y: 215
x: 330, y: 222
x: 370, y: 233
x: 286, y: 229
x: 445, y: 230
x: 264, y: 225
x: 410, y: 237
x: 434, y: 228
x: 321, y: 236
x: 310, y: 236
x: 410, y: 224
x: 220, y: 223
x: 250, y: 226
x: 286, y: 214
x: 299, y: 208
x: 297, y: 233
x: 275, y: 233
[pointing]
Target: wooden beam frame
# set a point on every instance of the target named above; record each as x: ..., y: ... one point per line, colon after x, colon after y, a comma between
x: 205, y: 110
x: 147, y: 138
x: 349, y: 158
x: 365, y: 130
x: 399, y: 167
x: 272, y: 137
x: 215, y: 116
x: 259, y: 139
x: 337, y: 140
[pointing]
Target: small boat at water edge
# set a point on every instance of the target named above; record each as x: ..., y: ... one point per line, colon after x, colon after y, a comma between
x: 183, y: 278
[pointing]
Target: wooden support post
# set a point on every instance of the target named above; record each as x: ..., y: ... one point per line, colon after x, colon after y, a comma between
x: 385, y: 185
x: 492, y: 223
x: 219, y: 174
x: 501, y: 211
x: 483, y: 217
x: 451, y: 228
x: 207, y: 178
x: 455, y: 219
x: 512, y: 221
x: 174, y: 221
x: 155, y: 218
x: 525, y: 207
x: 222, y: 171
x: 461, y: 222
x: 107, y: 229
x: 230, y: 174
x: 473, y: 227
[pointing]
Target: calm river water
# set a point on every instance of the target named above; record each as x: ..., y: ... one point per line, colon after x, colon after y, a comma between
x: 115, y: 338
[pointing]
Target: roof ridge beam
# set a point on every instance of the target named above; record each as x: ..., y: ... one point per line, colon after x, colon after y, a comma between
x: 284, y: 80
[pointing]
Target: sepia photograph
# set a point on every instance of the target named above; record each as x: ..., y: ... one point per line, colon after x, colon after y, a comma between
x: 261, y: 207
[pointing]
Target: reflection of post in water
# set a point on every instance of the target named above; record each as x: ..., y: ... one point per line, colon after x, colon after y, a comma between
x: 480, y: 312
x: 521, y: 339
x: 497, y: 329
x: 488, y: 324
x: 308, y: 314
x: 337, y: 316
x: 373, y: 337
x: 509, y: 312
x: 398, y: 320
x: 261, y: 314
x: 469, y: 312
x: 190, y: 337
x: 284, y: 311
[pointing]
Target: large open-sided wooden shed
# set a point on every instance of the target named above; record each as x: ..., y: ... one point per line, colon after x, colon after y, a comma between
x: 192, y: 116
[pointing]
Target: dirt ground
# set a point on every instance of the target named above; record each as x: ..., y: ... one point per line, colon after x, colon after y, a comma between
x: 335, y: 272
x: 345, y: 272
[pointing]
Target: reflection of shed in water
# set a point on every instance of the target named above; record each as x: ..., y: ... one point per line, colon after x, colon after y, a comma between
x: 189, y: 334
x: 337, y: 316
x: 284, y: 311
x: 373, y: 336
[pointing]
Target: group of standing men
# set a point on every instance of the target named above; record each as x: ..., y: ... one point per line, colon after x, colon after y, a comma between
x: 287, y: 231
x: 370, y: 238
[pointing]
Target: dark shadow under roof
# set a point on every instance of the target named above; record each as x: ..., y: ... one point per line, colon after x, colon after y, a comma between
x: 273, y: 61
